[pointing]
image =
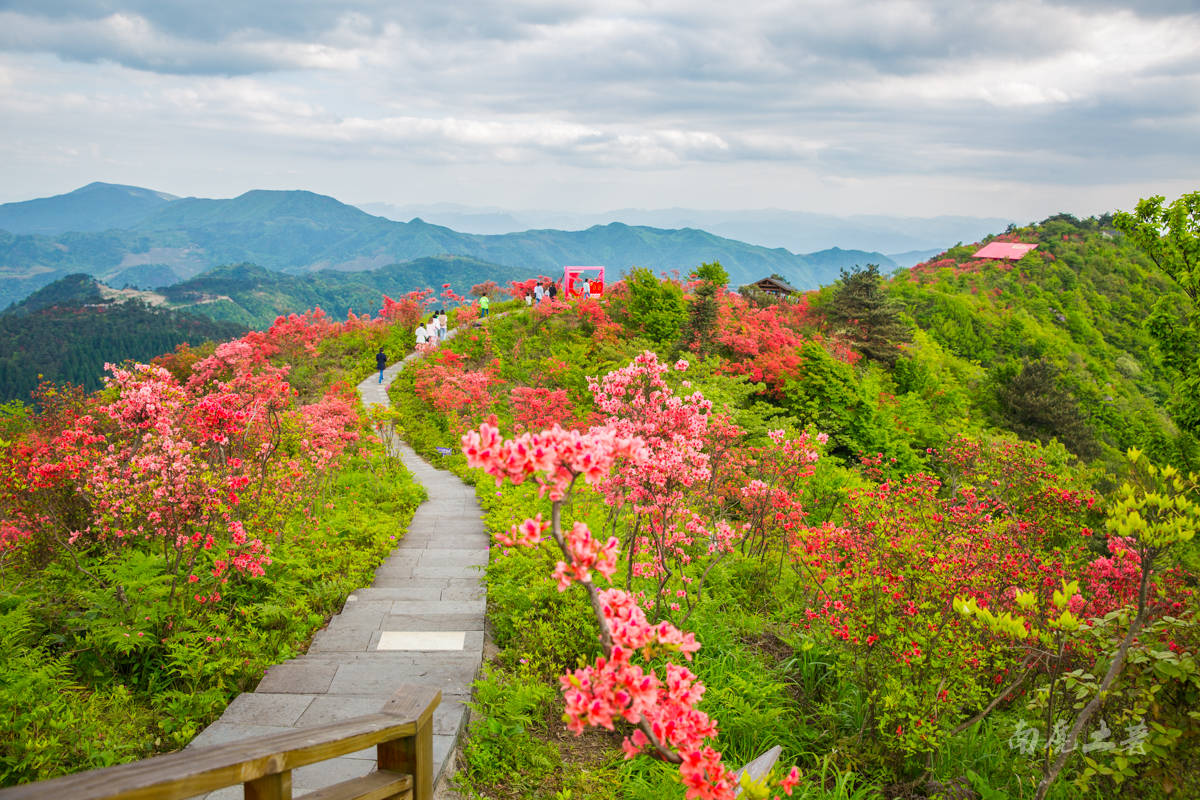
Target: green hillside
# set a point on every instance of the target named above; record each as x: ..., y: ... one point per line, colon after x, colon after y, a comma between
x: 216, y: 304
x: 921, y: 599
x: 73, y: 290
x: 254, y: 296
x: 1062, y: 330
x: 66, y: 332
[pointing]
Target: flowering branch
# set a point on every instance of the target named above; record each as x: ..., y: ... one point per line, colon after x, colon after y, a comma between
x: 663, y: 711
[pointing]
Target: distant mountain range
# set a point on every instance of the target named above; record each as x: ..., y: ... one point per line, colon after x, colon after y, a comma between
x: 798, y: 231
x: 127, y: 235
x: 91, y: 209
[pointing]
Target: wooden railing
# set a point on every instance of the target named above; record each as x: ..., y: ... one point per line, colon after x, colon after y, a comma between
x: 402, y: 732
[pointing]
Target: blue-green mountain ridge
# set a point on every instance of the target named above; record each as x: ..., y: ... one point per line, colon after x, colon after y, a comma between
x: 127, y: 235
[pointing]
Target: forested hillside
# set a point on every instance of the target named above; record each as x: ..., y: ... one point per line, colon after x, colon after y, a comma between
x: 68, y: 330
x: 1060, y: 338
x: 68, y: 334
x: 254, y: 296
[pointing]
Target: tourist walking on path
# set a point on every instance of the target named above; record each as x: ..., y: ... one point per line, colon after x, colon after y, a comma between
x: 422, y: 334
x: 538, y: 293
x: 381, y: 363
x: 443, y: 321
x: 484, y: 303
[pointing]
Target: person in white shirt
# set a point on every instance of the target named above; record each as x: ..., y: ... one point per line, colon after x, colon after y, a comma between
x: 538, y: 292
x: 443, y: 321
x: 422, y: 333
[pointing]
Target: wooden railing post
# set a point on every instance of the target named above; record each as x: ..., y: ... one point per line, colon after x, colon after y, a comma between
x: 269, y: 787
x: 402, y: 731
x: 413, y: 754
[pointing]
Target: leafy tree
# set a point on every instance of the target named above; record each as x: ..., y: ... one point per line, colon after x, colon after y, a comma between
x: 490, y: 288
x: 828, y: 396
x: 656, y: 305
x: 1170, y: 236
x: 862, y: 310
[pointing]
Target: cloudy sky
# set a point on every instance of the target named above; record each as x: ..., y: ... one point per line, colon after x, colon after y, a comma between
x: 1014, y: 108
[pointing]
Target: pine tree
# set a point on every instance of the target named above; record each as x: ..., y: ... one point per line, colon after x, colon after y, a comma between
x: 862, y: 311
x: 697, y: 333
x: 1036, y: 405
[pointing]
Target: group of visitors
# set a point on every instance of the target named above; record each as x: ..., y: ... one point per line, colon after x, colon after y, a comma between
x: 542, y: 292
x: 433, y: 331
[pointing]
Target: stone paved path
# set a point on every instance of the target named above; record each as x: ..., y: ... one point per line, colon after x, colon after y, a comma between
x: 421, y: 621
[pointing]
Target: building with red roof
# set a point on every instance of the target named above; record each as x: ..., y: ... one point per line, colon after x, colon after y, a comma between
x: 1009, y: 251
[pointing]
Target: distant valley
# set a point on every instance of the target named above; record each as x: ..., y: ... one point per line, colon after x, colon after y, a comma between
x: 67, y: 330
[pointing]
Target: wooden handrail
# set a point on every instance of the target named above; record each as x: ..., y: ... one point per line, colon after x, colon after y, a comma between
x: 402, y: 731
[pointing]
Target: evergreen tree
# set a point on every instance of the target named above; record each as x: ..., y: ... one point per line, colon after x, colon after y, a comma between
x: 697, y: 334
x: 1036, y: 405
x: 861, y: 310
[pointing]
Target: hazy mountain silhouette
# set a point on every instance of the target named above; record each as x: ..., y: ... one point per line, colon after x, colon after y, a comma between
x: 296, y: 232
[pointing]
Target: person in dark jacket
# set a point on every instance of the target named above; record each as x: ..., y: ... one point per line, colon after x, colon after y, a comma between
x: 381, y: 362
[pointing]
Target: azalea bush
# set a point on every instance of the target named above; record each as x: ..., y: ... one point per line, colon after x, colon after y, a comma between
x: 622, y: 683
x: 815, y: 512
x: 884, y: 581
x: 166, y: 539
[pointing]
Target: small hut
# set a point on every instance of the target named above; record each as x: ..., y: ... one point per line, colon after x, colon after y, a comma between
x: 775, y: 286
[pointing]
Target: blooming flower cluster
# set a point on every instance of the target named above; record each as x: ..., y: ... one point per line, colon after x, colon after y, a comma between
x: 663, y: 708
x: 554, y: 457
x: 585, y: 553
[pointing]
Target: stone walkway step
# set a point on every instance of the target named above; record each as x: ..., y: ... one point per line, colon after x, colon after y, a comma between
x: 421, y: 621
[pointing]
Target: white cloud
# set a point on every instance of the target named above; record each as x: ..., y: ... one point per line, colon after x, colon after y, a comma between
x: 841, y: 92
x: 133, y: 41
